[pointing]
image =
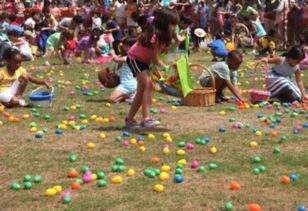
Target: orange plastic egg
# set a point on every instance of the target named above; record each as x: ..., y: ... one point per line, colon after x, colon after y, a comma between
x: 254, y: 207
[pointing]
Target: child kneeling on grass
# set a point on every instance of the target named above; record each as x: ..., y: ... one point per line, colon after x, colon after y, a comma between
x: 225, y: 76
x: 14, y: 79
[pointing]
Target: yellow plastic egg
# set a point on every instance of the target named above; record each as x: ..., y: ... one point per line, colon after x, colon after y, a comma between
x: 65, y: 122
x: 142, y: 149
x: 108, y: 105
x: 166, y: 150
x: 11, y: 118
x: 169, y: 139
x: 105, y: 120
x: 222, y: 113
x: 71, y: 123
x: 165, y: 135
x: 151, y: 136
x: 182, y: 162
x: 58, y: 188
x: 130, y: 172
x: 90, y: 145
x: 158, y: 188
x: 33, y: 129
x: 116, y: 180
x: 213, y: 150
x: 174, y: 108
x: 262, y: 119
x: 253, y: 144
x: 133, y: 141
x: 62, y: 127
x: 258, y: 133
x: 93, y: 177
x: 102, y: 136
x: 85, y: 121
x: 93, y: 117
x: 163, y: 176
x: 165, y: 168
x: 1, y: 123
x: 154, y: 100
x: 50, y: 192
x: 26, y: 116
x: 73, y: 108
x: 180, y: 152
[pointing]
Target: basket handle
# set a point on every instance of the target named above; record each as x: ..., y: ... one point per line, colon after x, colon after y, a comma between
x: 205, y: 69
x: 41, y: 87
x: 254, y: 73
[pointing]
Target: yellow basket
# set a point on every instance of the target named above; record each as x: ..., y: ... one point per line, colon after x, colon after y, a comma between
x: 201, y: 96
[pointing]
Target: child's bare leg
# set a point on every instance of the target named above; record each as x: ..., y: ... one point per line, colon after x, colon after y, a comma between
x: 147, y: 96
x: 116, y: 96
x: 220, y: 84
x: 49, y: 52
x: 213, y: 54
x: 13, y: 103
x: 138, y: 97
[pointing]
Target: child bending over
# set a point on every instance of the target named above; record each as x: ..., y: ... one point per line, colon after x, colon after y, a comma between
x: 225, y: 76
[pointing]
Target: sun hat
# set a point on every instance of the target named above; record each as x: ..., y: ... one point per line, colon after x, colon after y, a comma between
x: 200, y: 32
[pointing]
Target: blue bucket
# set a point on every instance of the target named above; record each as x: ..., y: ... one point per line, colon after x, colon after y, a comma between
x: 42, y: 99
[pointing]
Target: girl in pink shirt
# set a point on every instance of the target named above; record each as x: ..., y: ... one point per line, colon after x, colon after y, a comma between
x: 156, y: 37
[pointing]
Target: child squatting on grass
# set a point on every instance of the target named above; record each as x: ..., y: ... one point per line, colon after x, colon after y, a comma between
x: 225, y: 76
x: 14, y: 79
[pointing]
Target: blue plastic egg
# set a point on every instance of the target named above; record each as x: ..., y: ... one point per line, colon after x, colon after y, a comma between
x: 178, y: 178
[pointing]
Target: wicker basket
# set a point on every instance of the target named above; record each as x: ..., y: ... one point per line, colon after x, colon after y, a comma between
x: 201, y: 96
x: 257, y: 95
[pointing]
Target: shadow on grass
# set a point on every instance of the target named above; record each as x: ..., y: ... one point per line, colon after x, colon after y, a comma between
x: 143, y: 131
x: 98, y: 101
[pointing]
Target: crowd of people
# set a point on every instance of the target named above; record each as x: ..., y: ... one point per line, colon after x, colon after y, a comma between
x: 136, y: 33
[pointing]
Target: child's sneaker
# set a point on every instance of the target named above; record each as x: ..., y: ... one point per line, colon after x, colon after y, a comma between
x: 47, y: 63
x: 149, y: 123
x: 22, y: 102
x: 131, y: 124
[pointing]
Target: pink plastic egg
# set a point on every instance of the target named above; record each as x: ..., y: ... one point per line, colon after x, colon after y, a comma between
x: 125, y: 143
x: 189, y: 146
x: 194, y: 164
x: 162, y: 111
x: 165, y: 145
x: 87, y: 179
x: 65, y: 193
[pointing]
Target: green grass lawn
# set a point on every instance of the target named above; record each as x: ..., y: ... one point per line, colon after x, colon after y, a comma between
x: 22, y: 154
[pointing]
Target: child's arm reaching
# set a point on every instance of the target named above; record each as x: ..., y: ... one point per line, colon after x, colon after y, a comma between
x: 300, y: 84
x: 37, y: 81
x: 235, y: 91
x: 119, y: 59
x: 156, y: 60
x: 276, y: 60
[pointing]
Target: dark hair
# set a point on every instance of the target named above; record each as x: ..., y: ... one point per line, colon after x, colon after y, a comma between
x: 3, y: 16
x: 12, y: 33
x: 78, y: 19
x: 67, y: 35
x: 95, y: 35
x: 130, y: 41
x: 185, y: 19
x: 160, y: 26
x: 296, y: 52
x: 12, y: 18
x: 10, y: 53
x: 218, y: 36
x: 235, y: 54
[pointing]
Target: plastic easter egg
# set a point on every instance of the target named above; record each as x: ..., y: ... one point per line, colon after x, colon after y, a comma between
x: 228, y: 206
x: 126, y: 134
x: 254, y: 207
x: 168, y: 139
x: 72, y: 174
x: 158, y: 188
x: 142, y: 149
x: 178, y: 178
x: 100, y: 175
x: 276, y: 150
x: 163, y: 176
x: 230, y: 46
x: 262, y: 169
x: 116, y: 180
x: 151, y: 136
x: 75, y: 186
x: 101, y: 183
x: 180, y: 152
x: 285, y: 180
x: 166, y: 150
x: 222, y: 130
x: 301, y: 208
x: 293, y: 177
x: 102, y: 136
x: 73, y: 158
x: 165, y: 168
x: 194, y: 164
x: 58, y: 189
x: 26, y: 116
x: 201, y: 169
x: 50, y: 192
x: 234, y: 186
x: 213, y: 150
x: 91, y: 145
x: 67, y: 199
x: 130, y: 172
x: 119, y: 161
x: 133, y: 141
x: 256, y: 171
x: 86, y: 179
x: 253, y: 144
x: 182, y: 162
x: 178, y: 171
x: 257, y: 159
x: 154, y: 159
x: 222, y: 113
x: 212, y: 166
x: 37, y: 179
x: 15, y: 186
x: 121, y: 168
x: 189, y: 146
x: 27, y: 178
x: 93, y: 177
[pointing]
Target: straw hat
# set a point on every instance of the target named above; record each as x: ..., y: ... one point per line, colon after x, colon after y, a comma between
x: 200, y: 32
